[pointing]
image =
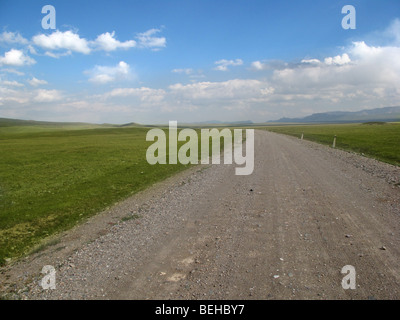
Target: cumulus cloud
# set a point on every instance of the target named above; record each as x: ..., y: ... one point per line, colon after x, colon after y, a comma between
x: 311, y: 61
x: 22, y: 96
x: 11, y: 83
x: 12, y: 37
x: 376, y: 64
x: 228, y: 90
x: 105, y: 74
x: 363, y: 76
x: 58, y: 40
x: 149, y: 40
x: 36, y: 82
x: 338, y: 60
x: 369, y: 64
x: 359, y: 77
x: 12, y: 95
x: 16, y: 58
x: 202, y: 97
x: 107, y: 42
x: 222, y: 65
x: 64, y: 43
x: 43, y: 95
x: 258, y: 65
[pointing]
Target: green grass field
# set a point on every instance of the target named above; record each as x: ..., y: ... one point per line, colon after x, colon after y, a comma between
x: 377, y: 140
x: 52, y: 179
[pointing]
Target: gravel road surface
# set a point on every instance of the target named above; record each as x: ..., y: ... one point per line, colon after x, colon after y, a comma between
x: 284, y: 232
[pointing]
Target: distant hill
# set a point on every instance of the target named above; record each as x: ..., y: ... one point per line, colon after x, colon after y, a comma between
x: 131, y: 124
x: 381, y: 114
x: 6, y: 122
x: 12, y: 126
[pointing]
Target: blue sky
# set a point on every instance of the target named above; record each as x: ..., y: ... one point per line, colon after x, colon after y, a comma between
x: 158, y: 60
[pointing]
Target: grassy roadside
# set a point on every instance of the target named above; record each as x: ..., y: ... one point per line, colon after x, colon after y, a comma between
x: 51, y: 180
x: 377, y: 140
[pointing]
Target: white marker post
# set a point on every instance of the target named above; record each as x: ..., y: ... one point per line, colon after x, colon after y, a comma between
x: 334, y: 142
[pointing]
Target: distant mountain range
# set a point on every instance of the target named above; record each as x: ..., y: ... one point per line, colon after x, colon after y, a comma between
x: 381, y: 114
x: 388, y: 114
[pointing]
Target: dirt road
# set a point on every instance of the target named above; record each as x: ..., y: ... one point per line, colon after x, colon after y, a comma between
x: 285, y: 232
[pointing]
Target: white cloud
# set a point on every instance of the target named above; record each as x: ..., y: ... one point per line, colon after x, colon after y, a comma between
x: 258, y: 65
x: 43, y: 95
x: 105, y: 74
x: 362, y: 51
x: 102, y: 78
x: 230, y: 90
x: 362, y: 76
x: 107, y: 42
x: 368, y: 65
x: 62, y: 41
x: 269, y: 65
x: 187, y: 71
x: 311, y: 61
x: 19, y: 73
x: 13, y: 37
x: 16, y: 58
x: 202, y: 98
x: 224, y: 64
x: 338, y: 60
x: 57, y: 55
x: 143, y: 93
x: 8, y: 95
x: 194, y: 75
x: 148, y: 40
x: 11, y: 83
x: 36, y: 82
x: 32, y: 50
